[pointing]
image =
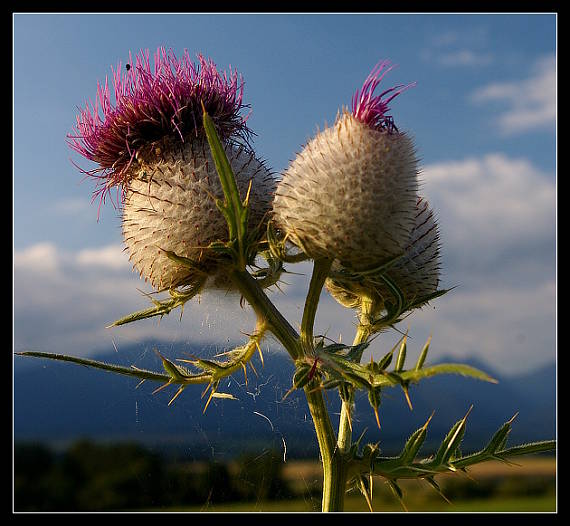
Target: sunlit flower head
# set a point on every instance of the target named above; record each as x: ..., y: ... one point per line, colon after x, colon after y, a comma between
x: 150, y: 101
x: 350, y: 194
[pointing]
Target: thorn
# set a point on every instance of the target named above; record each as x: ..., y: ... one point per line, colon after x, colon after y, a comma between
x: 244, y: 372
x: 208, y: 401
x: 513, y: 418
x: 177, y: 393
x: 158, y: 389
x: 429, y: 419
x: 407, y: 395
x: 246, y: 200
x: 288, y: 393
x: 205, y: 390
x: 140, y: 383
x: 377, y: 417
x: 253, y: 368
x: 467, y: 414
x: 260, y: 354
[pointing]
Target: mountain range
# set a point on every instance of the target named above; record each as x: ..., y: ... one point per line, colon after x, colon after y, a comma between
x: 58, y: 403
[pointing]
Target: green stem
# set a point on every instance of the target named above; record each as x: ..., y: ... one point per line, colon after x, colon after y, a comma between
x: 265, y: 310
x: 334, y: 466
x: 333, y: 460
x: 321, y: 269
x: 344, y: 439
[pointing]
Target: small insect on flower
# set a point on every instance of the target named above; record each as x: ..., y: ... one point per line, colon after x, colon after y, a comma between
x: 149, y: 144
x: 350, y: 194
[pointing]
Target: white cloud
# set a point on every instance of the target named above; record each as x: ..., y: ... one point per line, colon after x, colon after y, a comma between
x: 492, y: 203
x: 464, y: 57
x: 530, y: 102
x: 111, y: 257
x: 458, y: 49
x: 39, y: 258
x: 71, y: 206
x: 64, y: 300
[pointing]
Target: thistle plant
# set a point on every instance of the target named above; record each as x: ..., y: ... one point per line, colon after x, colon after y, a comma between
x: 201, y: 210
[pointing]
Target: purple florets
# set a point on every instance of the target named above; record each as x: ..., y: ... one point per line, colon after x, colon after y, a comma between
x: 371, y: 110
x: 151, y: 103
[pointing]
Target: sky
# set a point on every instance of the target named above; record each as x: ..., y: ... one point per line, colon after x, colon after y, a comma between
x: 482, y: 116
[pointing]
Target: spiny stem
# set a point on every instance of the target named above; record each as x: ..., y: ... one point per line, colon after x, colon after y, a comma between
x: 265, y: 309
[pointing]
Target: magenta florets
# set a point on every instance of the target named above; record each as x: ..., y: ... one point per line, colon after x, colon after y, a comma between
x: 150, y: 103
x: 371, y: 110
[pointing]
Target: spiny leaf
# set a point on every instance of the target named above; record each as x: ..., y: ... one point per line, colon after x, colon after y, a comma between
x: 127, y: 371
x: 452, y: 441
x: 401, y: 355
x: 234, y: 210
x: 162, y: 307
x: 431, y: 481
x: 414, y: 443
x: 423, y: 355
x: 446, y: 368
x: 398, y: 493
x: 499, y: 439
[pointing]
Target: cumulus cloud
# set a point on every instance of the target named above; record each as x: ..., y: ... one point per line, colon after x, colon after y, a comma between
x: 498, y: 229
x: 492, y: 203
x: 530, y: 102
x: 64, y: 300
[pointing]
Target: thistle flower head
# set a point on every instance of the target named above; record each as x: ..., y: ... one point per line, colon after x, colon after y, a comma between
x: 149, y: 142
x: 149, y: 102
x: 350, y: 194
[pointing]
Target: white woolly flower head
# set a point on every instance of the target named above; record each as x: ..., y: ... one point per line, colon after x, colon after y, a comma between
x: 416, y: 273
x: 350, y: 194
x: 149, y: 144
x: 170, y: 207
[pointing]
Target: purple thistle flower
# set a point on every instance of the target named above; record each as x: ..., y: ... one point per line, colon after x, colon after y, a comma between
x: 371, y: 110
x: 151, y: 103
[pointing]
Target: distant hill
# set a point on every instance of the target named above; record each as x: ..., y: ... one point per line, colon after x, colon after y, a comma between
x: 58, y: 403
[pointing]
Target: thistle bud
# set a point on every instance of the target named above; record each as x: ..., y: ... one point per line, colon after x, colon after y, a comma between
x: 416, y: 273
x: 151, y: 147
x: 350, y: 194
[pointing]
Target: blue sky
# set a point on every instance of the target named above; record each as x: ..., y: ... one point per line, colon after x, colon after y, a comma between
x: 483, y: 117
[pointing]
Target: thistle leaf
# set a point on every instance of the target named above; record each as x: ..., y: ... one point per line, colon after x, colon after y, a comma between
x: 414, y: 443
x: 452, y: 441
x: 127, y: 371
x: 446, y: 368
x: 401, y: 355
x: 234, y: 211
x: 162, y: 307
x: 423, y: 355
